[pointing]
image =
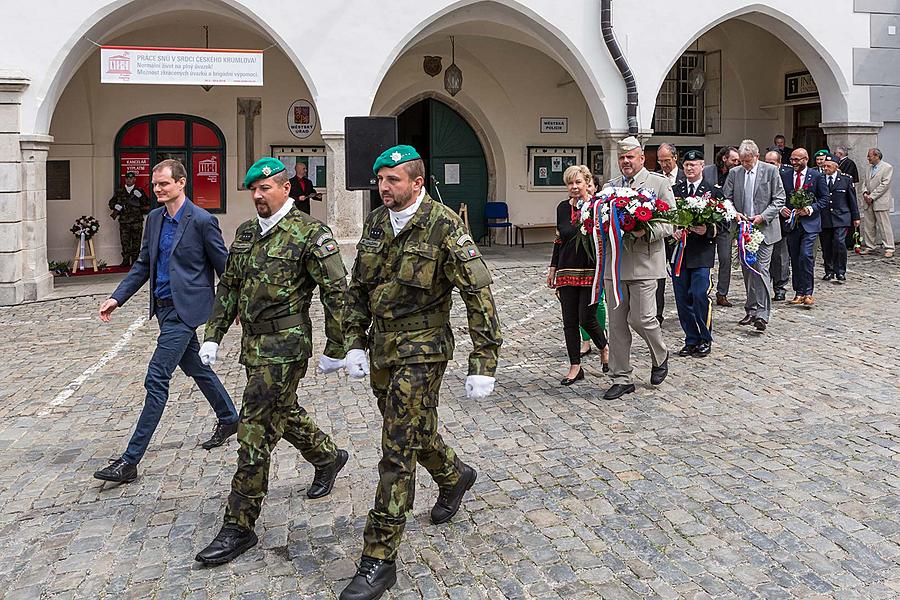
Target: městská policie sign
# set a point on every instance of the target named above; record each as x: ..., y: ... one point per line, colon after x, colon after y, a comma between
x: 180, y: 66
x: 554, y: 124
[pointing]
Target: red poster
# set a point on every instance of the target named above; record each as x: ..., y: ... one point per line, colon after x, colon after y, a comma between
x: 139, y: 164
x: 207, y: 169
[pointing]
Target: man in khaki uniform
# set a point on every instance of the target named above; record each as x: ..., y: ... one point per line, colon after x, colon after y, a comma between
x: 643, y: 262
x: 877, y: 204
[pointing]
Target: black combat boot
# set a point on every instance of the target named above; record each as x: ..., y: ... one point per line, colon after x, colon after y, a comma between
x: 229, y: 543
x: 324, y: 478
x: 373, y: 578
x: 449, y: 499
x: 118, y: 471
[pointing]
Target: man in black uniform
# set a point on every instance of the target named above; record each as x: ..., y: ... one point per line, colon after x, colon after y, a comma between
x: 692, y: 284
x: 841, y: 212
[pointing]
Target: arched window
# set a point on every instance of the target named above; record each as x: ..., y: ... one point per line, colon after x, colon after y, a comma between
x: 196, y: 142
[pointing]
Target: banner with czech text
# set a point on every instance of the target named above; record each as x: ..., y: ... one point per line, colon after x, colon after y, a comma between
x: 180, y: 66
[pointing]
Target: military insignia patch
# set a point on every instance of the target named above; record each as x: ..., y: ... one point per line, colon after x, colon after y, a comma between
x: 376, y: 233
x: 395, y: 156
x: 246, y: 236
x: 473, y: 252
x: 266, y: 171
x: 323, y: 238
x: 465, y: 239
x: 329, y: 247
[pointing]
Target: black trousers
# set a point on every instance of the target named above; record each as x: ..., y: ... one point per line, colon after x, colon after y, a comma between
x: 834, y: 249
x: 575, y: 311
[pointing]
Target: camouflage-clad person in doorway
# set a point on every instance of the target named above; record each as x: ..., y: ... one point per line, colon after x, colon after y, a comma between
x: 413, y: 252
x: 129, y: 205
x: 274, y: 265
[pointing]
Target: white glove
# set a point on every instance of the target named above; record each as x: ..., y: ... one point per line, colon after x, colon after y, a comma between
x: 208, y: 353
x: 479, y: 386
x: 357, y: 363
x: 329, y: 365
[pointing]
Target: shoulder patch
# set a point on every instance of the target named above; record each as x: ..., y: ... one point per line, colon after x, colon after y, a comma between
x: 324, y: 238
x: 465, y: 239
x: 246, y: 236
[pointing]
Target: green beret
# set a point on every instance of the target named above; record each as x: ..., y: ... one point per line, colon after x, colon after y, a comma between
x: 263, y: 169
x: 394, y: 156
x: 821, y: 153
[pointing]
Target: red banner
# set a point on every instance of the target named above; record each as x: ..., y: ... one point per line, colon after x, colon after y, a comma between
x: 139, y: 164
x: 207, y: 169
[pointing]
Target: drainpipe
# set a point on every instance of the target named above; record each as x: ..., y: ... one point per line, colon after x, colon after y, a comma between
x: 631, y: 102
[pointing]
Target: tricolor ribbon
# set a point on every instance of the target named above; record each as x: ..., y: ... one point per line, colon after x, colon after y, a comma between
x: 81, y: 252
x: 678, y: 258
x: 745, y: 228
x: 597, y: 285
x: 792, y: 218
x: 614, y: 237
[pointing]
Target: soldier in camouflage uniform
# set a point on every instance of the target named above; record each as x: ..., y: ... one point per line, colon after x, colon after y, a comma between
x: 128, y: 206
x: 274, y: 265
x: 413, y: 252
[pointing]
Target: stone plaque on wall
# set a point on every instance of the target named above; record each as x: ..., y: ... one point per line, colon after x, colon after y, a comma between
x: 58, y: 180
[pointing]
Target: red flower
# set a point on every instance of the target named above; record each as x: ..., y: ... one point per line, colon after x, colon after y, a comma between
x: 621, y: 202
x: 643, y: 214
x: 662, y: 205
x: 628, y: 222
x: 589, y: 224
x: 747, y: 237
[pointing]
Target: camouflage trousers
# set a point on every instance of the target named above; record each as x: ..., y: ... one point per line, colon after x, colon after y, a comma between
x: 270, y: 412
x: 407, y: 398
x: 130, y: 236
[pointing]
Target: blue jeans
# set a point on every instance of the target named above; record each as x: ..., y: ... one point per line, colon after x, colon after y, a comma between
x: 800, y: 246
x: 692, y: 289
x: 176, y: 346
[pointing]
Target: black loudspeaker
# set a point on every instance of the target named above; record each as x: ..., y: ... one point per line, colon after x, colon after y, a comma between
x: 364, y: 139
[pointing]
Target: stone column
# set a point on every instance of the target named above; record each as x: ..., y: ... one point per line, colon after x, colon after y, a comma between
x: 37, y: 279
x: 345, y: 210
x: 857, y: 137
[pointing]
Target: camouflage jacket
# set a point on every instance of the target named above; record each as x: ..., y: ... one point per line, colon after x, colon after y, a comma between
x: 273, y: 277
x: 133, y: 205
x: 413, y: 275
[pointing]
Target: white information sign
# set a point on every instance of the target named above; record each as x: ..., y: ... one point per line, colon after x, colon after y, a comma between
x: 301, y: 118
x: 451, y: 173
x: 554, y: 124
x: 180, y: 66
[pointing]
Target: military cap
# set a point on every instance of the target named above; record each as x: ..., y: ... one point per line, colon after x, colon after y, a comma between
x: 821, y: 153
x: 628, y: 144
x: 263, y: 169
x: 693, y: 155
x: 395, y: 155
x: 129, y: 173
x: 831, y: 158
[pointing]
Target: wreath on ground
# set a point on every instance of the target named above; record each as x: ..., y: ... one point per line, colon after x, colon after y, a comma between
x: 85, y: 225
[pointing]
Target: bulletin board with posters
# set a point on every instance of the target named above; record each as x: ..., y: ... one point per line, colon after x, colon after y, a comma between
x: 546, y: 166
x: 312, y: 156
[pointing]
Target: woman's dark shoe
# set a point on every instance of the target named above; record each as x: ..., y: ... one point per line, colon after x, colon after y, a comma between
x: 586, y: 352
x: 605, y: 367
x: 571, y: 380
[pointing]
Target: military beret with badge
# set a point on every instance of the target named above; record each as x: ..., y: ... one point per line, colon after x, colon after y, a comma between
x: 263, y: 169
x: 395, y: 155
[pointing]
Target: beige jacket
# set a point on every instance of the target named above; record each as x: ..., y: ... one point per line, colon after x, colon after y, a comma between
x: 644, y: 258
x: 879, y: 186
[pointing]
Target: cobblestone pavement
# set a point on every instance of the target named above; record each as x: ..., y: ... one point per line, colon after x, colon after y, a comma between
x: 769, y: 470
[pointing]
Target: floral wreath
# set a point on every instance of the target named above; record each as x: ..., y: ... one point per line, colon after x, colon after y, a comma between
x: 85, y: 225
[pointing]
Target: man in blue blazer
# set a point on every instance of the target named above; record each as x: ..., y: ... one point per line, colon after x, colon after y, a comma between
x: 842, y: 212
x: 807, y: 224
x: 182, y: 245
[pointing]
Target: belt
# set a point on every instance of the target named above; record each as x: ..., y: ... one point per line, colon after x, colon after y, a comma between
x: 163, y: 302
x: 274, y: 325
x: 413, y: 323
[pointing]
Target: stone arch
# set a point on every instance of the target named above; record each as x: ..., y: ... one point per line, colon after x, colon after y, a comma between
x: 115, y: 19
x: 545, y: 37
x: 830, y: 79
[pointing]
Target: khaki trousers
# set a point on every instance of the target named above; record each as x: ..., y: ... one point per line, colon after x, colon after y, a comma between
x: 876, y: 224
x: 637, y: 310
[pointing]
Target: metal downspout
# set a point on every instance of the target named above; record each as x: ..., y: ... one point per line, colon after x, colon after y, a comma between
x: 631, y: 102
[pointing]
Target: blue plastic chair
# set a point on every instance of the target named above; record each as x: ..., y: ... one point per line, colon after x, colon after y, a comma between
x: 499, y: 212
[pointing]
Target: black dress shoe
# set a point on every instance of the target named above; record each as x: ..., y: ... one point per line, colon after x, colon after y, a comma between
x: 760, y: 324
x: 617, y: 390
x: 779, y: 296
x: 841, y: 278
x: 449, y: 499
x: 747, y: 320
x: 373, y: 578
x: 723, y: 301
x: 703, y: 349
x: 687, y: 350
x: 571, y: 380
x: 229, y: 543
x: 828, y: 277
x: 660, y: 318
x: 605, y: 367
x: 658, y: 374
x: 586, y: 352
x: 220, y: 435
x: 324, y: 478
x: 118, y: 471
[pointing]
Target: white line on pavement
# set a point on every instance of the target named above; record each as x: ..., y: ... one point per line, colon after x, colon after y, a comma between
x: 86, y: 374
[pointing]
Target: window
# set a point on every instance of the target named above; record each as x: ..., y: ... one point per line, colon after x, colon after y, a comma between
x: 197, y: 143
x: 680, y: 103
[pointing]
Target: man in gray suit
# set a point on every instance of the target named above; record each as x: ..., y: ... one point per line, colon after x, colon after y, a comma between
x: 643, y: 261
x: 182, y: 246
x: 756, y: 190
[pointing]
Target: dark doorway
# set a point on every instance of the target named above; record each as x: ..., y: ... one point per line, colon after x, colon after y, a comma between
x: 807, y: 133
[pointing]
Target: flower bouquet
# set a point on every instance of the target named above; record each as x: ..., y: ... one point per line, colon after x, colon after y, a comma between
x: 585, y: 225
x: 857, y: 245
x: 85, y: 226
x: 748, y: 241
x: 694, y: 211
x: 628, y: 211
x: 800, y: 199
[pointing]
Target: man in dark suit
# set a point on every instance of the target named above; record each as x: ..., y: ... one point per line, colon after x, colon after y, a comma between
x: 848, y: 167
x: 785, y: 151
x: 692, y: 284
x: 841, y: 212
x: 807, y: 223
x: 780, y: 268
x: 182, y: 246
x: 667, y: 161
x: 302, y: 190
x: 714, y: 175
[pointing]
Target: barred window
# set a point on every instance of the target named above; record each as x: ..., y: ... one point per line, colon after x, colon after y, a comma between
x: 679, y: 108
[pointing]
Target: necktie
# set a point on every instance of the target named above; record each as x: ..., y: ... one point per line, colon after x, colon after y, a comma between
x: 831, y: 182
x: 691, y: 189
x: 748, y: 189
x: 797, y: 184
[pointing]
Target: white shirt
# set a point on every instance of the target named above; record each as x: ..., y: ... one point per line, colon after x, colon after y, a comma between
x: 267, y: 223
x: 673, y: 175
x: 128, y: 188
x: 750, y: 178
x: 400, y: 218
